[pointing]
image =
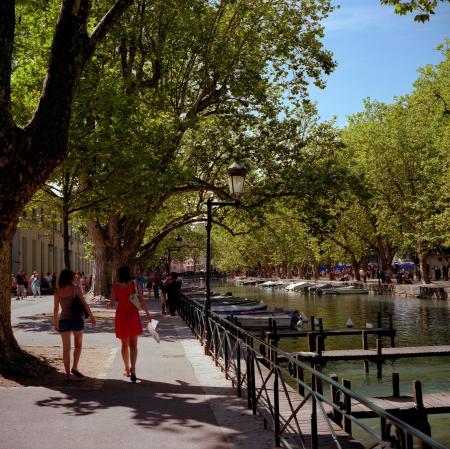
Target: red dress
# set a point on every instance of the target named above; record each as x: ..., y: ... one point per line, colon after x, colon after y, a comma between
x: 128, y: 321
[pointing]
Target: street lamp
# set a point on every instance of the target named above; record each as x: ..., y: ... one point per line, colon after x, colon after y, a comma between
x: 236, y: 179
x: 177, y: 247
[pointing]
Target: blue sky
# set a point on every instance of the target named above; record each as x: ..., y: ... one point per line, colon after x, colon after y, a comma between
x: 378, y: 54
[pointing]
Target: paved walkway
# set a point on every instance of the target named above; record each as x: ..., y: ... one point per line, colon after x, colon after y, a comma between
x: 181, y: 401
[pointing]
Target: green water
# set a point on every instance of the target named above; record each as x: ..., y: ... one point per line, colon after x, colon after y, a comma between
x: 417, y: 322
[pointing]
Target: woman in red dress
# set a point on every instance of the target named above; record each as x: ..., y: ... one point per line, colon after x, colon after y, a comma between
x: 128, y: 321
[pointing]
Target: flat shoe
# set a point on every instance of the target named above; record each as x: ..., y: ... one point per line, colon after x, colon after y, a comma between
x: 76, y: 373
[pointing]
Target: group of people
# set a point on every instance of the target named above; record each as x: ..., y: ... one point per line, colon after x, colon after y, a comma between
x: 439, y: 272
x: 43, y: 283
x: 20, y: 283
x: 165, y: 289
x: 69, y: 320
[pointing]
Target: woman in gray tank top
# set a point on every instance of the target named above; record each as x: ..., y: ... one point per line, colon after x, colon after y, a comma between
x: 66, y: 323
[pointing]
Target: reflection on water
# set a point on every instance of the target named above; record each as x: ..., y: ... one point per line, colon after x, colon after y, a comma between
x: 417, y: 322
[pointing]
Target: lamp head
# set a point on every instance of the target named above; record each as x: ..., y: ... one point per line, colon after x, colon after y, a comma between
x: 178, y: 241
x: 236, y: 179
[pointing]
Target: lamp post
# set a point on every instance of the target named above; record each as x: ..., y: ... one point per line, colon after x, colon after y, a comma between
x: 177, y: 247
x: 236, y: 178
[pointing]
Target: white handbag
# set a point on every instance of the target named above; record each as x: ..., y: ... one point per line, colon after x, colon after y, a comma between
x: 134, y: 297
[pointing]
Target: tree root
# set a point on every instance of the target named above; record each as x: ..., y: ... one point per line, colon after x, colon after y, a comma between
x: 17, y: 363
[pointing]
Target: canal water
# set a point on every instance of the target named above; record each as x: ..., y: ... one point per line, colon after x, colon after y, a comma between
x: 417, y: 322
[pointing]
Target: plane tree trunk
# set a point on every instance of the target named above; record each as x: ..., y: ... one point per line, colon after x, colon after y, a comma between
x: 29, y: 155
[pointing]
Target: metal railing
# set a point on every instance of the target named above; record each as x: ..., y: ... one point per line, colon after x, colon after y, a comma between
x: 291, y: 396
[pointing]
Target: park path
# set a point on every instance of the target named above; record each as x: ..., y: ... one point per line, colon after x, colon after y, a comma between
x: 180, y: 401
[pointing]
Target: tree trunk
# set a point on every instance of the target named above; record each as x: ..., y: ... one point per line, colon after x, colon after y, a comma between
x: 356, y: 265
x: 316, y: 270
x: 65, y: 222
x: 29, y: 155
x: 101, y: 282
x: 8, y: 343
x: 424, y: 267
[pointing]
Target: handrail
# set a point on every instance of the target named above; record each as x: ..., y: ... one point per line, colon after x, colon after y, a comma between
x: 244, y: 351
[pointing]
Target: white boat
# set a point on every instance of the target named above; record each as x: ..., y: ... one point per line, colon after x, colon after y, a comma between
x: 317, y: 288
x: 299, y: 286
x: 270, y: 284
x: 283, y: 321
x: 230, y: 308
x: 350, y: 290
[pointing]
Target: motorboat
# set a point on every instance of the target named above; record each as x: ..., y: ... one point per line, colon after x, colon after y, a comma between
x: 299, y: 286
x: 347, y: 290
x: 318, y: 288
x: 273, y: 284
x: 254, y: 321
x: 232, y: 308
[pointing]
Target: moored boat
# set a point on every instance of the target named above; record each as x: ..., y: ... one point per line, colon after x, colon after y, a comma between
x: 261, y: 321
x: 299, y: 286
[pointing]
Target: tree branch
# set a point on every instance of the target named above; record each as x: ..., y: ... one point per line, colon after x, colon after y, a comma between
x: 106, y: 23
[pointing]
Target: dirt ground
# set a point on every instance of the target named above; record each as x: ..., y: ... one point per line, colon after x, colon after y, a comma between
x: 100, y: 314
x: 94, y: 364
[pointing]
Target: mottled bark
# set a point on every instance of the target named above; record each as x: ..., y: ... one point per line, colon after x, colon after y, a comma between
x: 424, y: 267
x: 102, y: 277
x: 356, y: 265
x: 28, y: 156
x: 8, y: 343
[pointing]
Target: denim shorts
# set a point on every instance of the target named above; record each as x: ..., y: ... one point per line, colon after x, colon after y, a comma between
x: 71, y: 325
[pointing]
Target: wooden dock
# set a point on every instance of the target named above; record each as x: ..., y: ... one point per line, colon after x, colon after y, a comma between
x: 433, y: 403
x: 375, y: 354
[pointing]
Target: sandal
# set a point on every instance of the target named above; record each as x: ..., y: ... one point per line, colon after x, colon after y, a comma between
x: 76, y: 373
x: 133, y: 377
x: 68, y: 378
x: 126, y: 373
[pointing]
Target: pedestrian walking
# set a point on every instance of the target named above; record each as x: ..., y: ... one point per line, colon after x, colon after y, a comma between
x: 156, y: 282
x: 173, y: 291
x: 26, y: 283
x: 69, y: 321
x: 128, y: 321
x: 20, y: 280
x: 35, y: 281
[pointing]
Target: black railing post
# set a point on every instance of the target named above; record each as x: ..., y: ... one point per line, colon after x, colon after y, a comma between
x: 300, y: 376
x: 337, y: 416
x: 379, y: 359
x: 253, y: 360
x: 276, y: 400
x: 249, y: 374
x: 238, y: 366
x: 225, y: 350
x: 314, y: 434
x: 348, y: 407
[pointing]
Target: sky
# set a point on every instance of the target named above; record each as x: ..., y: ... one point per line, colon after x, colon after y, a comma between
x: 378, y: 54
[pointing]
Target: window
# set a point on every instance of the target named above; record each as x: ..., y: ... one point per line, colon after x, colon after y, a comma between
x: 33, y: 255
x: 42, y: 267
x: 25, y: 254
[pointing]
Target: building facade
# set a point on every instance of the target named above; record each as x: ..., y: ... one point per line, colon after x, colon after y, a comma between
x: 41, y: 249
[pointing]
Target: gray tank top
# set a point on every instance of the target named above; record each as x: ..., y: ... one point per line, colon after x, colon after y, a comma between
x: 66, y: 307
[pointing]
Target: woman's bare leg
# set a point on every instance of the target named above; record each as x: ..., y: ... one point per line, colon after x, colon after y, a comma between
x: 65, y: 337
x: 78, y: 345
x: 126, y: 354
x: 133, y: 352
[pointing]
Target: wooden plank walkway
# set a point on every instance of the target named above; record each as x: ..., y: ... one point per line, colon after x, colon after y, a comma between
x: 371, y: 354
x: 303, y: 417
x: 434, y: 403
